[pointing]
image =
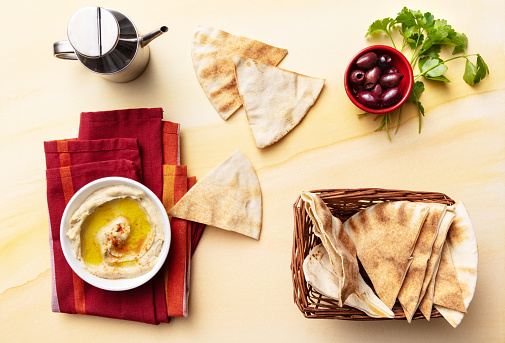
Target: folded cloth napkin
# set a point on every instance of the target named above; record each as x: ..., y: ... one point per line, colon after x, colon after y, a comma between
x: 70, y: 293
x: 175, y: 185
x: 64, y: 153
x: 121, y: 145
x: 171, y: 143
x: 118, y: 143
x: 143, y: 124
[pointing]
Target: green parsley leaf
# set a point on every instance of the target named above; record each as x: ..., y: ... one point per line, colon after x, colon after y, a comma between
x: 460, y: 42
x: 406, y: 17
x: 417, y: 90
x: 433, y: 51
x: 428, y: 22
x: 421, y: 110
x: 438, y: 78
x: 437, y: 35
x: 379, y: 25
x: 474, y: 73
x: 433, y: 68
x: 415, y: 40
x: 482, y: 69
x: 407, y: 31
x: 470, y: 73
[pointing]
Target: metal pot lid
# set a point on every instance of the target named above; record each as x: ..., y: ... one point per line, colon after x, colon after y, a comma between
x: 93, y: 31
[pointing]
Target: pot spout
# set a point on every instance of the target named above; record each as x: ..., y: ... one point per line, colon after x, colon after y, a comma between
x: 147, y: 38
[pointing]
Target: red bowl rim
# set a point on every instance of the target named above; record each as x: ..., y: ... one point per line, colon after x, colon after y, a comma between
x: 406, y: 92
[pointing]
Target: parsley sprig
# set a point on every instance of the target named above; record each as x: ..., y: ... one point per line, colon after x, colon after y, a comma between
x: 426, y: 36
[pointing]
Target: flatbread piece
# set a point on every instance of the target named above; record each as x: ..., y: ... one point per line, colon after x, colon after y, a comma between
x: 228, y: 197
x: 340, y: 249
x: 275, y: 100
x: 447, y: 292
x: 464, y: 253
x: 321, y: 275
x: 428, y: 289
x: 413, y: 282
x: 385, y: 235
x: 212, y: 52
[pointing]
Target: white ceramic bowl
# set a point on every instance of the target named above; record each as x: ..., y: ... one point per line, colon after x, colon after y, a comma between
x: 76, y: 265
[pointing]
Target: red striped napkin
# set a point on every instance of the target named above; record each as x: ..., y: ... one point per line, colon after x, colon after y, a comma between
x: 70, y: 293
x: 143, y: 124
x: 132, y: 143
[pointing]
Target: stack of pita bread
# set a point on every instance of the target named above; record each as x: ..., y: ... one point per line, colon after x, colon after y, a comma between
x: 234, y: 70
x: 423, y: 254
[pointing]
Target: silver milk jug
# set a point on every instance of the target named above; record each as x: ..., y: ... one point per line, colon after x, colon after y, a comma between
x: 106, y: 42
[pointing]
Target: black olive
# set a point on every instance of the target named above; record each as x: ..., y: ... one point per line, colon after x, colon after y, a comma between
x: 384, y: 61
x: 390, y: 96
x: 372, y: 77
x: 390, y: 80
x: 377, y: 90
x: 368, y: 99
x: 367, y: 60
x: 356, y: 89
x: 357, y: 77
x: 390, y: 70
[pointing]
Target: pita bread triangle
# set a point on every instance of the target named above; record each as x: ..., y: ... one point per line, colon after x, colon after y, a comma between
x: 228, y: 197
x: 426, y: 296
x: 340, y: 249
x: 212, y: 51
x: 413, y: 282
x: 447, y: 292
x: 275, y: 100
x: 463, y: 247
x: 385, y: 235
x: 319, y: 273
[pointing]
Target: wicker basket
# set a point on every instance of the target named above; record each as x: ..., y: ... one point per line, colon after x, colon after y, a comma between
x: 343, y: 203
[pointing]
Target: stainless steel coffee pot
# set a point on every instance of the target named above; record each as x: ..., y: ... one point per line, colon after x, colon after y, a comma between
x: 106, y: 42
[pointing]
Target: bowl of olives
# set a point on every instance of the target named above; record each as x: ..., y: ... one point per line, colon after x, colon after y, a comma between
x: 378, y: 79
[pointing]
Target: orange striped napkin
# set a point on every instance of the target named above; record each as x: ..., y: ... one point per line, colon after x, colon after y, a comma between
x: 175, y: 185
x: 171, y: 143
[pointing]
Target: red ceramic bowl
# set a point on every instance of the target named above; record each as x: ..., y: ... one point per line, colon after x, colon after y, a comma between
x: 399, y: 61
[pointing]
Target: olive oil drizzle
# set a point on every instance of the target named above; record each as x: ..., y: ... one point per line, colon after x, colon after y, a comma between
x: 140, y: 230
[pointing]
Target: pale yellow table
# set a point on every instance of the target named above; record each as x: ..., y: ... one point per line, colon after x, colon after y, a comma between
x: 241, y: 289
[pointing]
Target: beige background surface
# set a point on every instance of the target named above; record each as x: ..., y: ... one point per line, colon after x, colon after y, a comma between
x: 241, y: 288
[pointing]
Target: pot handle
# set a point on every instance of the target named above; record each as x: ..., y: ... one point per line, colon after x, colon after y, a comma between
x: 63, y: 49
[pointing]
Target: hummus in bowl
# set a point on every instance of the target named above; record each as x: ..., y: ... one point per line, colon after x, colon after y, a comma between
x: 115, y: 233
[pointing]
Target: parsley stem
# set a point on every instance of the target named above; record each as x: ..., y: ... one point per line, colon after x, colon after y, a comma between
x: 388, y: 118
x: 420, y: 122
x: 399, y: 120
x: 391, y: 37
x: 436, y: 65
x: 414, y: 56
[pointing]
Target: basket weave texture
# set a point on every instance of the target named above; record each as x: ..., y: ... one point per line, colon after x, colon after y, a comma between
x: 343, y: 203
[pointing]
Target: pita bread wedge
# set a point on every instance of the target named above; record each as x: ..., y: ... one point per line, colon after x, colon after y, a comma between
x: 275, y: 100
x: 385, y: 235
x: 341, y: 250
x: 428, y: 289
x: 228, y: 197
x: 413, y: 282
x: 447, y: 292
x: 464, y: 253
x: 212, y: 51
x: 319, y: 273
